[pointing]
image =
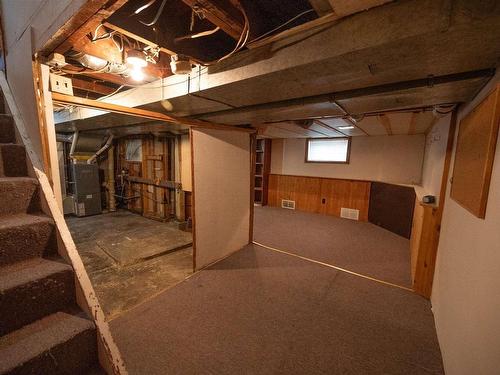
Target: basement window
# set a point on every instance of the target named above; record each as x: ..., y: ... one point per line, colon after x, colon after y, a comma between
x: 328, y: 150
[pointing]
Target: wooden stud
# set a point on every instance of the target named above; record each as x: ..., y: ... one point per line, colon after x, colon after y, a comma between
x: 221, y: 13
x: 91, y: 86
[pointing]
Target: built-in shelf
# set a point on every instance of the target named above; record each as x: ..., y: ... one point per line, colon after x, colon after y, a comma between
x: 262, y: 170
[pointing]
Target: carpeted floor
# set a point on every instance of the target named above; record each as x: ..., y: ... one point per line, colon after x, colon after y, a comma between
x: 262, y: 312
x: 357, y: 246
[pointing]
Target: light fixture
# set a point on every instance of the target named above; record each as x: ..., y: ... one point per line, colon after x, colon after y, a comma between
x: 136, y: 58
x: 137, y: 74
x: 345, y: 127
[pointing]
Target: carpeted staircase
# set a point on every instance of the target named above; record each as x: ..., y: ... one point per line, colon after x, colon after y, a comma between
x: 42, y: 331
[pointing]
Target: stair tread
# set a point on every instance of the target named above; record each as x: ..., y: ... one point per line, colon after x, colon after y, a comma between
x: 23, y: 272
x: 22, y: 219
x: 39, y: 337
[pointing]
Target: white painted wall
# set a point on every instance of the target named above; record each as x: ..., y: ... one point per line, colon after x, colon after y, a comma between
x: 277, y: 156
x: 394, y: 159
x: 435, y: 153
x: 466, y: 291
x: 221, y: 162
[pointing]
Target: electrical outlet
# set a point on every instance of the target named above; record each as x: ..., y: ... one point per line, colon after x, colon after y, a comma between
x: 61, y: 84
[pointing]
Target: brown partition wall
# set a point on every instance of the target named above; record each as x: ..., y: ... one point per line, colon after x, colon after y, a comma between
x: 391, y: 207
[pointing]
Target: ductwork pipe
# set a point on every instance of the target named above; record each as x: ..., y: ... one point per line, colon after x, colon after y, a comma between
x: 64, y: 138
x: 101, y: 150
x: 111, y: 179
x: 73, y: 144
x: 99, y: 65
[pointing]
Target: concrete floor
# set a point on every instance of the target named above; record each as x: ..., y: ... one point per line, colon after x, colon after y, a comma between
x: 129, y: 258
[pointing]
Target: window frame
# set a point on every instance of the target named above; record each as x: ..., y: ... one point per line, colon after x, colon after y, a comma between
x: 348, y: 156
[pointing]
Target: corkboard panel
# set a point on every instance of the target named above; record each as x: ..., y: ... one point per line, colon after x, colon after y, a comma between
x: 476, y: 144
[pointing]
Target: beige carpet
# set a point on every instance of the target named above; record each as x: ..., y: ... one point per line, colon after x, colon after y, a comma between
x: 262, y: 312
x: 357, y: 246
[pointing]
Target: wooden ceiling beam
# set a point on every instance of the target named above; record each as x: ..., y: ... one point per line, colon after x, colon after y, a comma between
x: 106, y: 49
x: 113, y: 78
x: 221, y: 13
x: 91, y: 86
x: 139, y: 38
x: 91, y: 24
x: 144, y: 113
x: 321, y: 7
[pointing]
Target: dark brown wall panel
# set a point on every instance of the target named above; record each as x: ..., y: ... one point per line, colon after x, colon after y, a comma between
x: 391, y: 207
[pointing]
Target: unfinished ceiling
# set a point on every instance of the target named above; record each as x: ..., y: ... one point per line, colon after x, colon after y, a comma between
x: 334, y: 61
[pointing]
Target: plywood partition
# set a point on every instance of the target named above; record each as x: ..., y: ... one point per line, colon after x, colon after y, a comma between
x: 221, y: 192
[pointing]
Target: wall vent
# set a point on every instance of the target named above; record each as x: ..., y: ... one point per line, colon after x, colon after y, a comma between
x: 349, y: 213
x: 288, y: 204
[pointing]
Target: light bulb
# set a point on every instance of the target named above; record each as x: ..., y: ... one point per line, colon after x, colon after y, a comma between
x: 137, y: 74
x: 136, y: 58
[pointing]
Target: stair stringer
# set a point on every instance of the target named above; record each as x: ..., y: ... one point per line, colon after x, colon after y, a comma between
x: 109, y: 355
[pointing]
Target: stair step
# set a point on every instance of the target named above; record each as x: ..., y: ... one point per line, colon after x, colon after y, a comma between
x: 7, y: 133
x: 32, y: 289
x: 57, y: 344
x: 13, y: 160
x: 18, y: 195
x: 24, y: 236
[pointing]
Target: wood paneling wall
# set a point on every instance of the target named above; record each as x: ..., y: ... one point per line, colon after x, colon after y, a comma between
x: 147, y: 198
x: 320, y: 195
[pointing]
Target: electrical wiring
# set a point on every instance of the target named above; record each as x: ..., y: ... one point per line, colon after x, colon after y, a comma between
x: 145, y: 6
x: 113, y: 93
x: 282, y: 25
x: 160, y: 9
x: 198, y: 35
x: 245, y: 33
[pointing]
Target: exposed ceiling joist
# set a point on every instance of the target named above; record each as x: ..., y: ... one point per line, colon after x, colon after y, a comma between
x: 91, y: 86
x: 137, y: 37
x: 78, y: 21
x: 221, y: 13
x: 344, y: 8
x: 90, y: 25
x: 321, y: 7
